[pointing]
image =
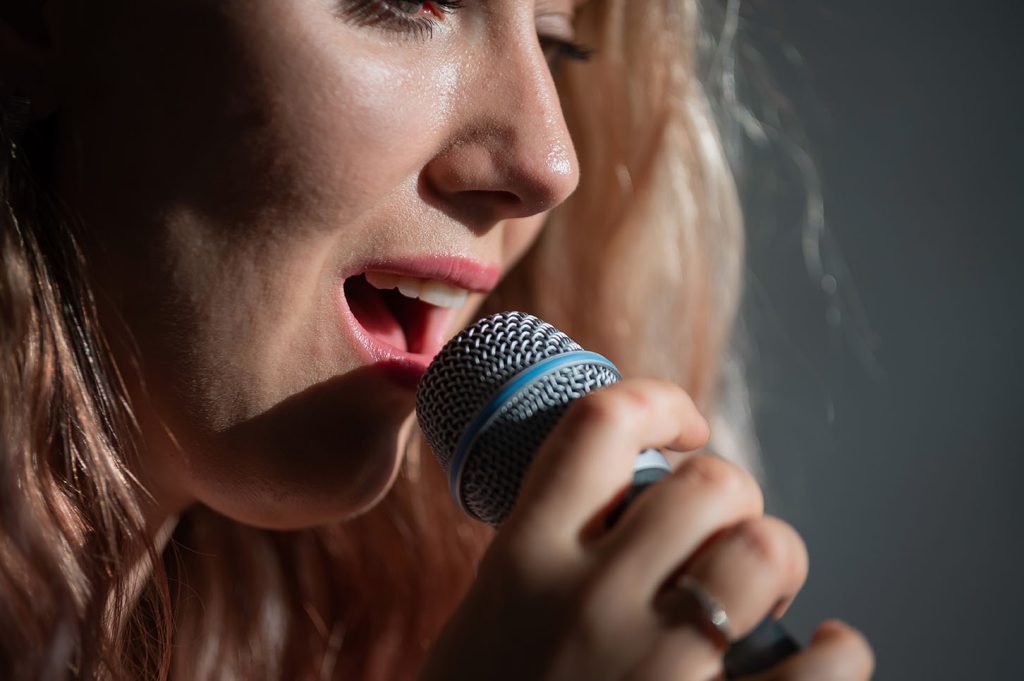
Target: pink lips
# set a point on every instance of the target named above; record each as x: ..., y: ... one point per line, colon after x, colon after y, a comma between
x: 432, y: 326
x: 462, y: 272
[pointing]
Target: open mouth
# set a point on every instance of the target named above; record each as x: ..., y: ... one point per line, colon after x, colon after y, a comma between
x: 401, y: 313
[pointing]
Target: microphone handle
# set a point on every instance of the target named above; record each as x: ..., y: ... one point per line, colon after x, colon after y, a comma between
x: 769, y: 643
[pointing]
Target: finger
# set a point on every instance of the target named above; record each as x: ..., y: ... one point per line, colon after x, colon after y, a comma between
x: 589, y: 456
x: 680, y: 654
x: 837, y: 652
x: 671, y: 520
x: 753, y: 569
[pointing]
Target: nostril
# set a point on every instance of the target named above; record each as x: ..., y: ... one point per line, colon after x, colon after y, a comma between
x: 501, y: 173
x: 500, y: 202
x: 478, y: 209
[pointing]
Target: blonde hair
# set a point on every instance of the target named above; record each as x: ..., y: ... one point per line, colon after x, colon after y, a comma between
x: 642, y: 263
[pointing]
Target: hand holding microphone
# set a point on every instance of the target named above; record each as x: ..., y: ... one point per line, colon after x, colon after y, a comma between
x: 570, y: 590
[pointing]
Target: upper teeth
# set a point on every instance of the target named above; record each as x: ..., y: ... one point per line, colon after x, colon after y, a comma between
x: 428, y: 290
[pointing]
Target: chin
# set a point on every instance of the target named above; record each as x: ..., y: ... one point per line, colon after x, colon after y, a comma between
x: 326, y: 455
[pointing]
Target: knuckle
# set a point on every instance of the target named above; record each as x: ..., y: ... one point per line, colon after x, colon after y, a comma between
x: 588, y: 410
x: 723, y: 478
x: 710, y: 470
x: 848, y: 651
x: 860, y: 654
x: 634, y: 395
x: 799, y: 559
x: 612, y: 408
x: 765, y: 541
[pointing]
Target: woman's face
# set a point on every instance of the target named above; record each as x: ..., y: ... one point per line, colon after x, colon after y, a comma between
x: 250, y: 171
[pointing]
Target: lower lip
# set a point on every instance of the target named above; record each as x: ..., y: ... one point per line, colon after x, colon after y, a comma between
x: 405, y: 374
x: 404, y: 368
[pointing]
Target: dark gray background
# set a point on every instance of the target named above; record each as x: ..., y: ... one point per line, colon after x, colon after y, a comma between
x: 895, y: 448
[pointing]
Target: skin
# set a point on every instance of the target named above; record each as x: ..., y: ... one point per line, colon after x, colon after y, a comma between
x: 574, y: 604
x: 232, y: 159
x: 224, y: 257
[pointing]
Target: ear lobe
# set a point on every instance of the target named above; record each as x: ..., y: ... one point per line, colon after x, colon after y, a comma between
x: 28, y: 52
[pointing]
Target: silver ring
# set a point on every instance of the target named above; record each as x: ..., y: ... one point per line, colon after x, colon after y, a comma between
x: 709, y: 605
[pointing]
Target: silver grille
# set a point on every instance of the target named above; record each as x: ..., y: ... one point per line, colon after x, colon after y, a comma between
x: 466, y: 376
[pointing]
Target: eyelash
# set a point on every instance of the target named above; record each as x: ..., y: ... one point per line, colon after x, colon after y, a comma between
x: 383, y: 13
x: 566, y: 49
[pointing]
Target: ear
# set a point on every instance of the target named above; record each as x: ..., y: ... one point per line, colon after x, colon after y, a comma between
x: 28, y: 52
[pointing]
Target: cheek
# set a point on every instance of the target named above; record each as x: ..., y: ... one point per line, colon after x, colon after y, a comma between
x: 334, y: 139
x: 355, y: 121
x: 249, y: 171
x: 277, y: 109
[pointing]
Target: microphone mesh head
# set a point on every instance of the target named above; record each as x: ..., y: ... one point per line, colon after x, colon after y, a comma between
x: 468, y: 373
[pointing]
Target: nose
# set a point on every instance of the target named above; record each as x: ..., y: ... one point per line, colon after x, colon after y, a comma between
x: 507, y: 152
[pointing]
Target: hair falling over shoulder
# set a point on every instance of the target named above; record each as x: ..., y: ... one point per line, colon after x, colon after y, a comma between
x: 645, y: 259
x: 69, y: 515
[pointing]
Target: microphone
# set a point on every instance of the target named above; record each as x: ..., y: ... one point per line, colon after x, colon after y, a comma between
x: 487, y: 402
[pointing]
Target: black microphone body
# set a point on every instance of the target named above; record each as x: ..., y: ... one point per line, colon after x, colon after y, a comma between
x: 490, y: 398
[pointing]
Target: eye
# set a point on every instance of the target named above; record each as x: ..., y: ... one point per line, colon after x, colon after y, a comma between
x: 416, y: 18
x: 408, y: 6
x: 413, y: 8
x: 557, y: 49
x: 555, y: 33
x: 419, y: 18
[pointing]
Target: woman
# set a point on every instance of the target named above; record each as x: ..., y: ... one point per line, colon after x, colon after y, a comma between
x: 209, y: 464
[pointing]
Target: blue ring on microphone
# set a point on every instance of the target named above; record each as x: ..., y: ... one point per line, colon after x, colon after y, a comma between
x: 492, y: 409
